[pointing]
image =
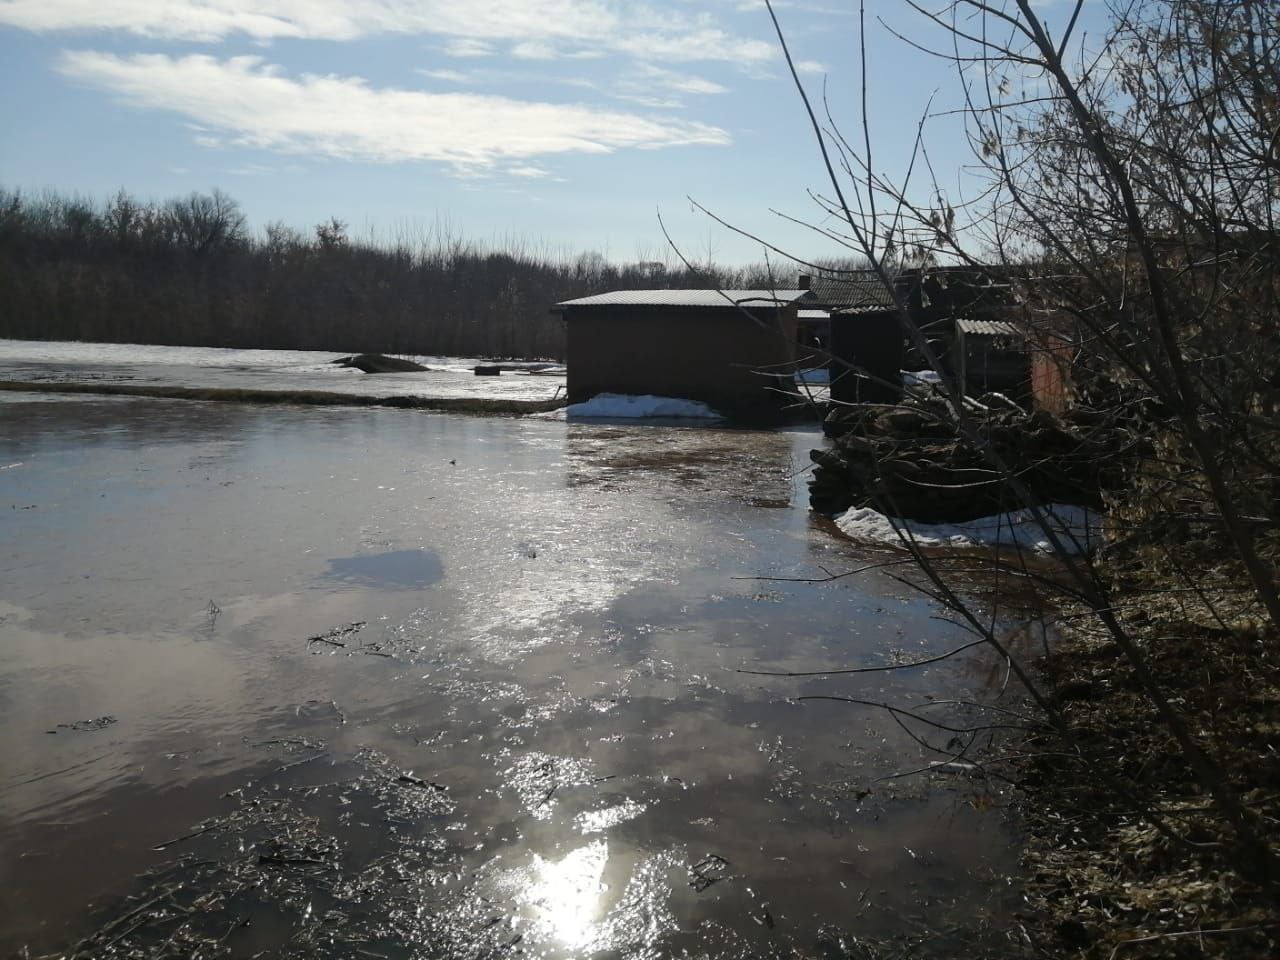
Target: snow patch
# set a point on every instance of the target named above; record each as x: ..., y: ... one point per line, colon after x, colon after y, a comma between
x: 920, y: 378
x: 625, y: 406
x: 813, y: 375
x: 1077, y: 528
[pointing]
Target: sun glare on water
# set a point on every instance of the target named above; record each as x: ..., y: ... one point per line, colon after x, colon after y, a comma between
x: 567, y: 895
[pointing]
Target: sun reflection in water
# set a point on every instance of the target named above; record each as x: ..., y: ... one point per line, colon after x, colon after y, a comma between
x: 567, y: 895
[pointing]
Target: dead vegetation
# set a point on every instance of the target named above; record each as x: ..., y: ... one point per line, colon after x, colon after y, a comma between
x: 1103, y: 879
x: 345, y: 867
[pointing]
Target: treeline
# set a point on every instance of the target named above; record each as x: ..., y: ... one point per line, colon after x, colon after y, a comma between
x: 188, y: 271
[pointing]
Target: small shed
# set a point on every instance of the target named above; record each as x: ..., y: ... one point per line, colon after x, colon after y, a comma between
x: 993, y: 355
x: 732, y: 349
x: 866, y: 338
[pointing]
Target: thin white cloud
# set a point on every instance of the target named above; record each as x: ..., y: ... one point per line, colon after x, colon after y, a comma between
x: 660, y: 78
x: 540, y: 50
x: 448, y: 76
x: 489, y: 76
x: 754, y: 6
x: 703, y: 42
x: 810, y: 66
x: 528, y: 172
x: 262, y: 170
x: 246, y: 102
x: 466, y: 48
x: 660, y: 89
x: 574, y: 26
x: 534, y: 50
x: 653, y: 103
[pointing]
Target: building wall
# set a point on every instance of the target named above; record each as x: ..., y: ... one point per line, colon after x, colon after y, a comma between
x: 713, y: 354
x: 1051, y: 375
x: 872, y: 342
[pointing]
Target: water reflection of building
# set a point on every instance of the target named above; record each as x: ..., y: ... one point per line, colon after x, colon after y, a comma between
x: 732, y: 466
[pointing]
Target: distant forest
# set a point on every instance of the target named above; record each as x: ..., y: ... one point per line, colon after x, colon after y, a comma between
x: 188, y: 271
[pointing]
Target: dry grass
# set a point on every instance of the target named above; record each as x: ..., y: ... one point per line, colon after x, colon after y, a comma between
x: 1104, y: 881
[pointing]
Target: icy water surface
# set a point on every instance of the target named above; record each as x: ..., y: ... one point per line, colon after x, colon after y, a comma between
x: 392, y: 684
x: 42, y: 361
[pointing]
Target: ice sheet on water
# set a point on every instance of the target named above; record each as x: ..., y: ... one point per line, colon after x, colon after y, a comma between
x: 79, y: 352
x: 221, y: 368
x: 115, y: 354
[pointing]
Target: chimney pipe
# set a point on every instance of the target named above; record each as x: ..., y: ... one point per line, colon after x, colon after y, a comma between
x: 803, y: 282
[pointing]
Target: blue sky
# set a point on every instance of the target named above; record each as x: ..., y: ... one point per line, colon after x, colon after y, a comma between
x: 565, y: 124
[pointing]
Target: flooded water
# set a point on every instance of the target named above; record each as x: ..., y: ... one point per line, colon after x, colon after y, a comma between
x: 393, y: 684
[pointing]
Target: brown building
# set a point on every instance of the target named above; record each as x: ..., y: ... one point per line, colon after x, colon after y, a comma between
x: 732, y: 349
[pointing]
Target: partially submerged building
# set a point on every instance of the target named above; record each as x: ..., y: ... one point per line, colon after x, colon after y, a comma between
x: 737, y: 350
x: 867, y: 337
x: 850, y: 321
x: 732, y: 349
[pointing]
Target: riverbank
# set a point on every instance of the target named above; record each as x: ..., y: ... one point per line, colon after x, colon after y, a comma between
x: 1127, y: 856
x: 1102, y: 880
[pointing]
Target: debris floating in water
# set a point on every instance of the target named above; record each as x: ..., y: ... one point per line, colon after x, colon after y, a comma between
x: 331, y: 636
x: 83, y: 725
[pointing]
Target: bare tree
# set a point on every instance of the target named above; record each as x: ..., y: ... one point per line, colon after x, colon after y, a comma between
x: 1126, y: 189
x: 207, y: 222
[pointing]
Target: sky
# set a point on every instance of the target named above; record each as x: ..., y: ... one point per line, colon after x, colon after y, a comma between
x: 560, y: 126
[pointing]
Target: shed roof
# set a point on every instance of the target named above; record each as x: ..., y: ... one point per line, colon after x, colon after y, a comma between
x: 686, y: 298
x: 860, y: 292
x: 813, y: 314
x: 988, y: 328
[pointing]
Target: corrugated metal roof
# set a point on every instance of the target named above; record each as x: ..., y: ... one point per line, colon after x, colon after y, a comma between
x: 861, y: 292
x: 988, y: 328
x: 686, y: 298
